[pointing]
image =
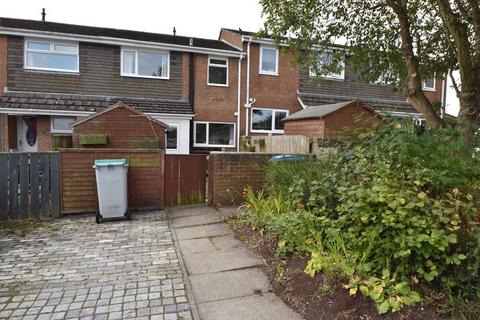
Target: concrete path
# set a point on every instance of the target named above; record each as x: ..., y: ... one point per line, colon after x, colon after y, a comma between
x: 225, y: 277
x: 76, y: 269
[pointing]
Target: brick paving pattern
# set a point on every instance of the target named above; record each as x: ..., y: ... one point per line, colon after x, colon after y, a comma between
x: 115, y: 270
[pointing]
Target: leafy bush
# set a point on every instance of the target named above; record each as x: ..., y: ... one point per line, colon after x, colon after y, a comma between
x: 395, y: 213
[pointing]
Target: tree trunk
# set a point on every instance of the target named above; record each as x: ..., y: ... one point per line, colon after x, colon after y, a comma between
x: 468, y: 117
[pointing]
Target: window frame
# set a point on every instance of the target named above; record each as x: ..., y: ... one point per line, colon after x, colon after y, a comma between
x: 330, y: 76
x: 176, y: 125
x: 274, y: 111
x: 136, y: 75
x: 52, y: 128
x: 218, y: 66
x: 52, y: 44
x: 432, y: 89
x: 207, y: 144
x: 260, y: 70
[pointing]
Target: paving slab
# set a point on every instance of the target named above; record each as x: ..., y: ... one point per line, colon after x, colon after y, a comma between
x: 209, y: 230
x: 221, y: 260
x: 190, y: 246
x: 196, y: 220
x: 229, y: 284
x: 187, y: 211
x: 226, y: 242
x: 254, y: 307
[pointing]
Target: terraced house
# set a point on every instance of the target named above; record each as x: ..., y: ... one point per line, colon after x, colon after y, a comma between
x: 52, y: 74
x: 209, y: 92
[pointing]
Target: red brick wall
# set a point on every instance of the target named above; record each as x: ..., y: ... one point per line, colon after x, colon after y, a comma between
x: 215, y: 103
x: 234, y: 39
x: 231, y: 172
x: 437, y: 94
x: 277, y: 92
x: 123, y: 127
x: 44, y: 136
x: 313, y: 128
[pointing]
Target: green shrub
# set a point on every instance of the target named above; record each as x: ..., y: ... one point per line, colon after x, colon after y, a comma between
x: 394, y: 213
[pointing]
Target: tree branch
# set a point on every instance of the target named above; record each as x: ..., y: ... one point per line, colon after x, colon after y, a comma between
x: 414, y: 89
x: 454, y: 83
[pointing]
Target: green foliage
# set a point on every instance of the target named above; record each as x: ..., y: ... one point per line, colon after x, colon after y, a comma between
x: 394, y: 213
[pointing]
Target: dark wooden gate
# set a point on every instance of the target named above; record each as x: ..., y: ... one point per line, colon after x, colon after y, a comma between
x: 29, y: 185
x: 185, y: 179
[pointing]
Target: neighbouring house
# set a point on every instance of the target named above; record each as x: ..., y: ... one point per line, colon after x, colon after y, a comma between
x: 330, y: 121
x: 274, y: 90
x: 54, y: 74
x: 120, y: 127
x: 210, y: 93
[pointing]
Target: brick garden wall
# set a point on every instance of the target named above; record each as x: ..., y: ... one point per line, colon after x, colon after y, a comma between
x: 231, y: 172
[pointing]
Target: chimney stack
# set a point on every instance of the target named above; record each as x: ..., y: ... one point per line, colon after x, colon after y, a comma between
x: 191, y: 42
x: 43, y: 14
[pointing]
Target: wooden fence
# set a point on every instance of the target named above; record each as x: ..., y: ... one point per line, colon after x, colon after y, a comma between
x: 283, y: 144
x: 29, y: 185
x: 78, y: 184
x: 185, y: 179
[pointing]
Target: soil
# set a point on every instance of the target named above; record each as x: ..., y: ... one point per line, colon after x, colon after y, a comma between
x: 313, y: 298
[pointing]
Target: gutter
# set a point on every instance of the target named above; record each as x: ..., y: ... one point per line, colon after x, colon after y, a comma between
x: 116, y: 41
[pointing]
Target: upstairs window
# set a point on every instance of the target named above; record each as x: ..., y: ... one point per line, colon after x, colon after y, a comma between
x: 327, y: 58
x: 268, y: 120
x: 269, y: 60
x: 51, y: 56
x: 429, y: 85
x: 218, y: 71
x: 145, y: 64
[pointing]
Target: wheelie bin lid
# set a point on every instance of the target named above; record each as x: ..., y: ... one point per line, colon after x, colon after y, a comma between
x: 110, y: 163
x: 290, y: 157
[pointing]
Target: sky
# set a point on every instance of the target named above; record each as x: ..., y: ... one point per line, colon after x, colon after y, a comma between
x: 195, y: 18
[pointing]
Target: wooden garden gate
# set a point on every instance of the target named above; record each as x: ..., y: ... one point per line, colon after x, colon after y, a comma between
x: 185, y: 179
x: 29, y: 185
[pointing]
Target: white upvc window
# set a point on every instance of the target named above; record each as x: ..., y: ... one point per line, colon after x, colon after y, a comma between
x: 268, y: 60
x: 217, y: 74
x: 214, y: 134
x: 51, y: 55
x: 145, y: 63
x: 268, y: 120
x: 61, y: 124
x: 326, y: 58
x: 171, y: 137
x: 428, y: 84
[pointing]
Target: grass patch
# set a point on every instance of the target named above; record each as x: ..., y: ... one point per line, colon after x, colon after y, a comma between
x: 23, y: 227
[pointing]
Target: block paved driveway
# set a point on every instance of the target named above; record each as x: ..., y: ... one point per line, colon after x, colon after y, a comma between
x: 115, y: 270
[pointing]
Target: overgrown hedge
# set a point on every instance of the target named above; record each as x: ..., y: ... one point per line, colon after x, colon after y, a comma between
x: 391, y: 216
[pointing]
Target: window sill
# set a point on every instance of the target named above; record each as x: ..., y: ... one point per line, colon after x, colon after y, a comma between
x: 61, y: 132
x: 52, y: 71
x: 144, y: 77
x: 264, y: 73
x: 217, y: 85
x: 429, y: 89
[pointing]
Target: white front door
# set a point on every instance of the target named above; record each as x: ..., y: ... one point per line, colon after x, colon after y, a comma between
x: 27, y: 134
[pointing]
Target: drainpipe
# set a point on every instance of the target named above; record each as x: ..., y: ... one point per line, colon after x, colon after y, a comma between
x: 444, y: 96
x: 239, y: 83
x: 247, y: 97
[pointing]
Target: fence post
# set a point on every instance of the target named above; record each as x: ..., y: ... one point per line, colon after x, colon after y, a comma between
x: 3, y: 186
x: 34, y: 184
x: 55, y: 183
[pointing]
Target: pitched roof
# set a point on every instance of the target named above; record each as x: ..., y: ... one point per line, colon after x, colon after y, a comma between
x: 71, y: 102
x: 113, y: 33
x: 317, y: 112
x: 381, y: 106
x: 117, y: 105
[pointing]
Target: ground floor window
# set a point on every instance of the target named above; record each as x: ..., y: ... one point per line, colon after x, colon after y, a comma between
x: 62, y: 124
x: 214, y: 134
x: 268, y: 120
x: 172, y: 137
